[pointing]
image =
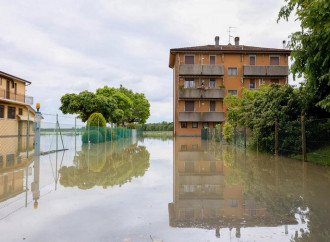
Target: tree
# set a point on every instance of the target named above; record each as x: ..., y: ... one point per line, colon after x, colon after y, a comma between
x: 310, y: 47
x: 141, y: 107
x: 233, y: 103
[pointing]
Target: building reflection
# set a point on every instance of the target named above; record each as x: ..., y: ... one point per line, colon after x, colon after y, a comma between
x: 16, y: 154
x: 209, y: 192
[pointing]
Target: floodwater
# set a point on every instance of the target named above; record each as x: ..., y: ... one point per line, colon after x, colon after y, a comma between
x: 158, y: 190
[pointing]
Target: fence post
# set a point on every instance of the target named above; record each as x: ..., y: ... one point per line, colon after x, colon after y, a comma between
x: 56, y: 133
x: 303, y: 139
x: 37, y: 120
x: 234, y: 134
x: 245, y: 137
x: 276, y: 137
x: 28, y: 134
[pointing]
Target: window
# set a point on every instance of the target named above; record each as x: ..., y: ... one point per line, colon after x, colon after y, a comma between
x: 232, y: 203
x: 10, y: 160
x: 212, y: 59
x: 20, y: 111
x: 232, y: 71
x: 2, y: 111
x: 194, y: 125
x: 212, y: 83
x: 184, y: 148
x: 215, y: 124
x: 252, y: 60
x: 205, y: 124
x: 252, y: 83
x: 213, y: 167
x: 212, y: 106
x: 274, y: 60
x: 189, y: 106
x: 189, y: 59
x: 189, y: 83
x: 232, y: 92
x: 11, y: 112
x: 183, y: 125
x: 276, y: 81
x: 189, y: 166
x: 194, y: 147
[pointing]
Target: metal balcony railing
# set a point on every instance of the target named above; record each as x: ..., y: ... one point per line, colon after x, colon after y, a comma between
x: 265, y: 70
x: 197, y: 93
x: 16, y: 97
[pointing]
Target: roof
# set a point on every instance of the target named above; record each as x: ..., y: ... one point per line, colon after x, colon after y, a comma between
x: 3, y: 74
x: 226, y: 49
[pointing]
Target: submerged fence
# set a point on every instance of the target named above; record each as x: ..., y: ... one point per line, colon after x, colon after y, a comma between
x: 308, y: 140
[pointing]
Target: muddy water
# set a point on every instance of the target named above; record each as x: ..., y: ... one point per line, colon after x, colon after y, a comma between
x: 151, y: 189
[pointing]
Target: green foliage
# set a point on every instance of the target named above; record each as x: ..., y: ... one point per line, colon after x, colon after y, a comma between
x: 233, y: 103
x: 310, y: 47
x: 96, y: 119
x: 94, y: 137
x: 228, y: 131
x: 117, y: 105
x: 163, y: 126
x: 140, y: 110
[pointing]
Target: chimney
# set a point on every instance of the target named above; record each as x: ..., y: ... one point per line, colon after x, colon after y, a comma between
x: 236, y: 41
x: 217, y: 39
x: 284, y: 44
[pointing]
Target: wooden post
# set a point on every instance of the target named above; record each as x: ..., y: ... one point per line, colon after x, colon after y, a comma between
x: 303, y: 139
x: 276, y: 137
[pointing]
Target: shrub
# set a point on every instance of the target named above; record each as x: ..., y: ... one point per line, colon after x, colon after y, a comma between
x: 228, y: 131
x: 94, y: 137
x: 96, y: 119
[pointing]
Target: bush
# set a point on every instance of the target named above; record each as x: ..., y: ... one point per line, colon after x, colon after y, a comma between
x: 228, y: 131
x: 96, y: 119
x: 94, y: 137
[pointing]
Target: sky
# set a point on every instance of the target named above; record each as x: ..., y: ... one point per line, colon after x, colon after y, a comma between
x: 71, y: 46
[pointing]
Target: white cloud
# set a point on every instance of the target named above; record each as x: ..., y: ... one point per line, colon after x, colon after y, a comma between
x: 65, y: 46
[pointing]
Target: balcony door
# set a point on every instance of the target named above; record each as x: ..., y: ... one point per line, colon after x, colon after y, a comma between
x: 8, y: 89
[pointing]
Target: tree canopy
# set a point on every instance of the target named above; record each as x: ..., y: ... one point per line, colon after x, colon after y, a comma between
x: 310, y: 47
x: 117, y: 105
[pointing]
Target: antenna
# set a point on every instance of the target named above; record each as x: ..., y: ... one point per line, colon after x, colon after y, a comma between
x: 229, y: 32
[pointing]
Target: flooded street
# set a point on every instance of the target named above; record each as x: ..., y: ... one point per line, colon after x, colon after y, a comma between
x: 181, y: 189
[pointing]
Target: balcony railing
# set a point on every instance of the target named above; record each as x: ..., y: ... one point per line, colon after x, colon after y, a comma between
x: 265, y: 70
x: 197, y: 93
x: 201, y: 116
x: 201, y: 70
x: 16, y: 97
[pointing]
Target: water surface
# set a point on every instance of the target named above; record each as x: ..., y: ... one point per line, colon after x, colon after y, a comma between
x: 173, y: 190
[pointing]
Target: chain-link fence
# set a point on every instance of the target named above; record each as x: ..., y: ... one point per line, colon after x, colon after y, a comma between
x: 305, y: 139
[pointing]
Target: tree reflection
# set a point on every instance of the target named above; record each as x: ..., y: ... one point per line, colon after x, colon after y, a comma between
x: 107, y: 164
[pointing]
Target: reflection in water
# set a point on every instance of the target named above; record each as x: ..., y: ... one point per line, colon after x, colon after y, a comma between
x: 218, y: 187
x: 16, y: 154
x: 107, y: 164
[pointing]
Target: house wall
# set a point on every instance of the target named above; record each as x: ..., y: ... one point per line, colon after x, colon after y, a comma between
x: 230, y: 82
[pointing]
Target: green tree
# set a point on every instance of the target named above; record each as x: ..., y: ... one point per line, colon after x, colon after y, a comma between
x: 96, y: 119
x: 141, y: 107
x: 310, y: 47
x: 233, y: 103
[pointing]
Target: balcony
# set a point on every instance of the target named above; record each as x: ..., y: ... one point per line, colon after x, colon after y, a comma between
x: 201, y: 70
x: 16, y: 97
x: 196, y: 93
x: 265, y: 71
x: 201, y: 116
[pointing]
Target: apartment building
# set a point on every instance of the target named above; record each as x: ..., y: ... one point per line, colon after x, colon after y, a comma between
x: 204, y: 75
x: 15, y: 107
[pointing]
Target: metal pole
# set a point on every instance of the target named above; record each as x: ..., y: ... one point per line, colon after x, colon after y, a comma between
x: 276, y: 137
x: 245, y: 137
x: 75, y: 134
x: 27, y: 134
x: 303, y: 139
x: 56, y: 130
x: 37, y: 133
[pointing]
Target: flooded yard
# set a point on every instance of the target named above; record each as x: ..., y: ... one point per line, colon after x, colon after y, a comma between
x: 181, y: 189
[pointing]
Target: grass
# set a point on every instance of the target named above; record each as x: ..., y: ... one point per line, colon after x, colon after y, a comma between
x: 320, y: 156
x: 153, y: 134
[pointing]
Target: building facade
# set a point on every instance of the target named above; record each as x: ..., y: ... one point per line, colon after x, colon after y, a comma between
x: 204, y: 75
x: 15, y: 107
